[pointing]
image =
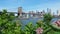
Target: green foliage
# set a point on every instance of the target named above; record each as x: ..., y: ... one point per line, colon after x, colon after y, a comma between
x: 47, y: 17
x: 43, y: 25
x: 10, y: 28
x: 29, y: 28
x: 50, y: 30
x: 7, y: 26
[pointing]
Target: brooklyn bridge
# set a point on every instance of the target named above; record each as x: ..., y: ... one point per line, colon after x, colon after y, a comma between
x: 31, y: 14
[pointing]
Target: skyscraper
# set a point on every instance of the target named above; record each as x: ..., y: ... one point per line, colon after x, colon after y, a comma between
x: 58, y: 12
x: 49, y: 11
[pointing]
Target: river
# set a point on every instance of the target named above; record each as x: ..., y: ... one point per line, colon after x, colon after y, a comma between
x: 34, y: 20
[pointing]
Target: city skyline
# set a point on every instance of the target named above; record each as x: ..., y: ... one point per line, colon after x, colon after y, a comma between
x: 12, y: 5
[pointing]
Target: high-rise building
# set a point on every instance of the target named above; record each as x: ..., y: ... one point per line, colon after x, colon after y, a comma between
x: 43, y: 11
x: 49, y: 11
x: 58, y: 12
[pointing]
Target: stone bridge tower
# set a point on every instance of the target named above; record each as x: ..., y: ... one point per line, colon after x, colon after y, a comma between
x: 19, y: 11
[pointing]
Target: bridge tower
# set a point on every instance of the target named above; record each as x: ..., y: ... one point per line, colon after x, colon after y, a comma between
x: 19, y: 11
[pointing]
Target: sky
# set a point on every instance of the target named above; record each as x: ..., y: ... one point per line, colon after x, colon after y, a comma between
x: 28, y: 5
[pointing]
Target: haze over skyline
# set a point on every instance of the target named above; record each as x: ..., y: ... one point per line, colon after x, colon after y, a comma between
x: 28, y: 5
